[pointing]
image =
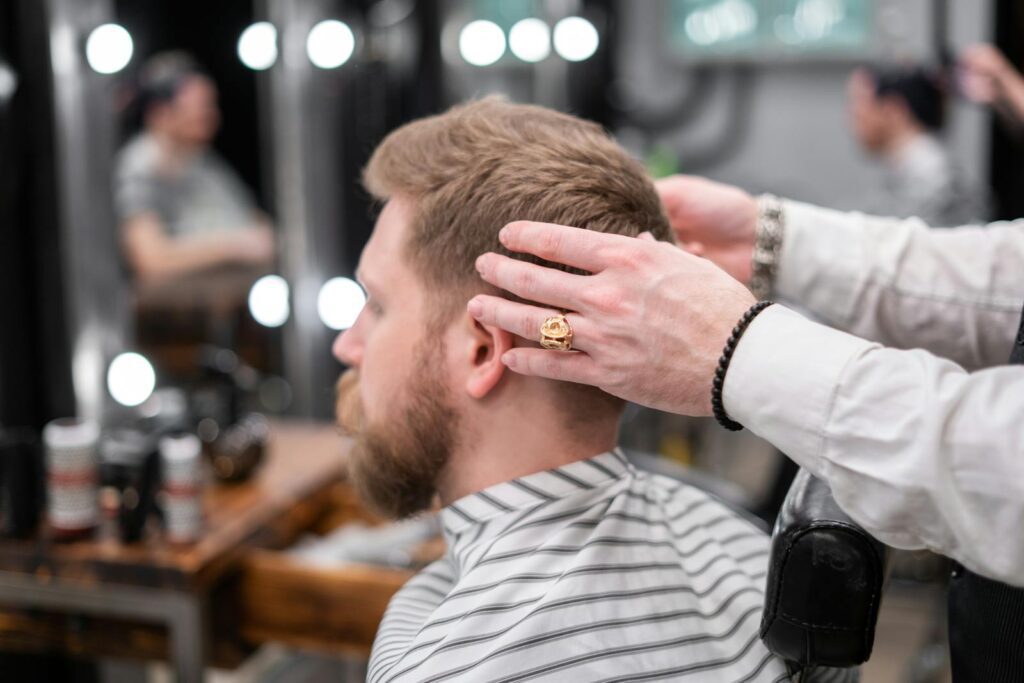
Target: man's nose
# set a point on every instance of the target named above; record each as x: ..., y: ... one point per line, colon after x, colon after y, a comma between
x: 347, y: 348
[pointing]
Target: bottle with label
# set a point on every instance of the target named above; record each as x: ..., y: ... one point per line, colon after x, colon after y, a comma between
x: 72, y: 473
x: 182, y: 474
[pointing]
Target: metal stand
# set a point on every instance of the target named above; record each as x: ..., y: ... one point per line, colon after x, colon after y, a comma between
x: 181, y: 612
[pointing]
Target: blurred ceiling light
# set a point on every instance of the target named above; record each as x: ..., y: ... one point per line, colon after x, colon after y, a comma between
x: 131, y: 379
x: 702, y: 28
x: 815, y: 19
x: 340, y: 302
x: 530, y: 40
x: 576, y: 39
x: 330, y: 44
x: 257, y: 46
x: 481, y: 43
x: 108, y: 49
x: 722, y: 22
x: 268, y: 301
x: 8, y: 83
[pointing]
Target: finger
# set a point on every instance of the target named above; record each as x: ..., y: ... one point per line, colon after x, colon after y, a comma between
x: 574, y: 366
x: 671, y: 191
x: 524, y: 320
x: 647, y: 236
x: 584, y: 249
x: 695, y: 248
x: 546, y: 286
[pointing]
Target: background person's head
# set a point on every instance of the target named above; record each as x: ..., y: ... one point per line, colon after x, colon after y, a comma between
x: 891, y: 104
x: 430, y: 378
x: 178, y: 100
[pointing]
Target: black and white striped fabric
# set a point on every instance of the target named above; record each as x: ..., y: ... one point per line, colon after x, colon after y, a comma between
x: 594, y: 571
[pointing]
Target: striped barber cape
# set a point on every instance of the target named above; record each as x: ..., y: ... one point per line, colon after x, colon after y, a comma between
x: 594, y: 571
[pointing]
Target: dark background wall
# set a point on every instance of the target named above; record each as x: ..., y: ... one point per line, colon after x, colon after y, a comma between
x: 1008, y: 143
x: 35, y: 374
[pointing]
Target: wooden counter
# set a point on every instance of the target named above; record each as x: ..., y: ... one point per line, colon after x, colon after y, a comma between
x: 152, y: 600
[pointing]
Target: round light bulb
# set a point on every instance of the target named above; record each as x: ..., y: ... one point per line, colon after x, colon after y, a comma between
x: 530, y: 40
x: 330, y: 44
x: 268, y: 301
x: 340, y: 302
x: 131, y: 379
x: 257, y: 46
x: 108, y: 49
x: 576, y: 39
x: 481, y: 43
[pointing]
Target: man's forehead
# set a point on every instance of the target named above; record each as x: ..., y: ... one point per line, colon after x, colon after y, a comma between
x: 383, y: 257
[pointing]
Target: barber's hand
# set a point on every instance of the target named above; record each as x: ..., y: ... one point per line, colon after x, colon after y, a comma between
x: 986, y: 73
x: 712, y: 220
x: 649, y: 325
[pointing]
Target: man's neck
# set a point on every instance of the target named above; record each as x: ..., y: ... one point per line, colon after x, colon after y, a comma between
x: 174, y: 153
x: 901, y: 141
x: 503, y: 447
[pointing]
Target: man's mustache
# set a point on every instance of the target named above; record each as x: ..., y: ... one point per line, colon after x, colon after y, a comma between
x: 348, y: 407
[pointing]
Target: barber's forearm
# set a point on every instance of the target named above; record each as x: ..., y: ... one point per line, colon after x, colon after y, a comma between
x: 918, y: 451
x: 954, y: 292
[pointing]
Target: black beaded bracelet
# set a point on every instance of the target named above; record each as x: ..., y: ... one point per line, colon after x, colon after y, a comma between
x: 723, y: 365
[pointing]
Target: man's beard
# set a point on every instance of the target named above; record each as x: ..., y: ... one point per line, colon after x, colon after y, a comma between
x: 394, y: 467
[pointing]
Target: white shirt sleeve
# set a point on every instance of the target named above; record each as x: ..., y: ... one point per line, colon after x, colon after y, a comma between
x: 957, y: 292
x: 917, y: 450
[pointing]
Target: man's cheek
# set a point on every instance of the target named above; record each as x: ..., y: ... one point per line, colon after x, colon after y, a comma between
x: 381, y: 389
x: 348, y: 408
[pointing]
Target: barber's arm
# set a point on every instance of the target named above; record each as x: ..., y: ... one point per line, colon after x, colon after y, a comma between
x: 956, y: 292
x: 918, y: 451
x: 988, y: 77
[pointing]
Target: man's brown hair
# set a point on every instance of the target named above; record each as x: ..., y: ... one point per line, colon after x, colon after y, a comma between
x: 481, y: 165
x: 484, y: 164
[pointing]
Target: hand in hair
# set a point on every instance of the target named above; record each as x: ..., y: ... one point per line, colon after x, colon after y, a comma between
x: 988, y: 77
x: 649, y: 324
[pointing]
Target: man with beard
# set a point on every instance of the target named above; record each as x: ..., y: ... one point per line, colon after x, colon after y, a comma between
x: 563, y: 562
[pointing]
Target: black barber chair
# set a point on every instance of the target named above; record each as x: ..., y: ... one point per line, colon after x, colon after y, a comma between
x: 825, y: 581
x: 826, y: 575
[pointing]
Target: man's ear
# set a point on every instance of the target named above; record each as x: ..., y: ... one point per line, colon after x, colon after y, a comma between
x: 485, y: 345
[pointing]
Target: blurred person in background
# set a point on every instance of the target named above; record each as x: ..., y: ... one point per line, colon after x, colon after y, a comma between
x: 897, y: 114
x: 182, y: 208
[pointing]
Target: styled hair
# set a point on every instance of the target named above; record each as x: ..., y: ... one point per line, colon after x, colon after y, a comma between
x: 163, y: 75
x: 923, y: 90
x: 481, y: 165
x: 484, y: 164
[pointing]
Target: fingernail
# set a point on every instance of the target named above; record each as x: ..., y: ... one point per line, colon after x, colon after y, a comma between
x: 509, y: 360
x: 475, y: 308
x: 503, y: 235
x: 480, y: 263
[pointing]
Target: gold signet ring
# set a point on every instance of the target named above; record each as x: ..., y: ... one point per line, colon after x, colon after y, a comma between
x: 556, y: 334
